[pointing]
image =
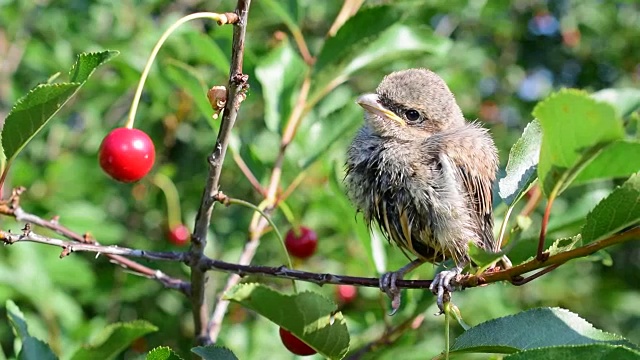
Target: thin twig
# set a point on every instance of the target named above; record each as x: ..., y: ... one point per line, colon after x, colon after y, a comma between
x: 116, y: 254
x: 521, y: 280
x: 283, y: 272
x: 349, y: 8
x: 237, y: 89
x: 534, y: 200
x: 247, y: 172
x: 12, y: 208
x: 69, y: 247
x: 561, y: 258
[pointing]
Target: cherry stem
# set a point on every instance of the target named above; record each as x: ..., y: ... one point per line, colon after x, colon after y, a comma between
x: 168, y: 188
x: 220, y: 18
x: 503, y: 226
x: 3, y: 177
x: 288, y: 214
x: 447, y: 325
x: 273, y: 225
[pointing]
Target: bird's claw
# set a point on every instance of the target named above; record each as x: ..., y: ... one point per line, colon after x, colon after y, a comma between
x: 389, y: 287
x: 444, y: 283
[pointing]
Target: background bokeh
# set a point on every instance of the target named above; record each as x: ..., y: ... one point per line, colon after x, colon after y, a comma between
x: 499, y: 58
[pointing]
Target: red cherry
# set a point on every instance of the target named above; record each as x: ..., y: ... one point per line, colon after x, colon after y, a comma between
x: 301, y: 245
x: 346, y: 293
x: 179, y: 235
x: 295, y: 345
x: 126, y: 154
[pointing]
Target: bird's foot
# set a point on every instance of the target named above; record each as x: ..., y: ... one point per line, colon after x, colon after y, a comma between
x: 444, y: 283
x: 388, y: 284
x: 389, y: 287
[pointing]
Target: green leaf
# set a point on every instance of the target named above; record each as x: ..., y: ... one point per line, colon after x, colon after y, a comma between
x: 32, y: 348
x: 114, y: 339
x: 398, y: 42
x: 562, y: 245
x: 309, y: 316
x: 32, y: 112
x: 35, y: 349
x: 536, y: 328
x: 278, y: 74
x: 522, y: 165
x: 278, y: 10
x: 16, y: 320
x: 162, y: 353
x: 582, y: 352
x: 624, y: 101
x: 617, y: 160
x: 615, y: 212
x: 575, y: 129
x: 331, y: 129
x: 209, y: 50
x: 377, y: 46
x: 214, y: 353
x: 361, y: 28
x: 87, y: 63
x: 482, y: 257
x: 189, y: 79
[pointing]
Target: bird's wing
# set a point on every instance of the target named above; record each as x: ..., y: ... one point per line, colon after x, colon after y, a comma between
x: 475, y: 162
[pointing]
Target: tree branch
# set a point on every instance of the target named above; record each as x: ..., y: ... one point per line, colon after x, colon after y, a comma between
x: 69, y: 247
x: 205, y: 264
x: 237, y: 88
x: 558, y: 259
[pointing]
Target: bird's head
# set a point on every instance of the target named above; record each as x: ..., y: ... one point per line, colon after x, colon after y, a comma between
x: 411, y: 103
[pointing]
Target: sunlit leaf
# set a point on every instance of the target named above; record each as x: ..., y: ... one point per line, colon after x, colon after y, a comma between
x: 562, y: 245
x: 360, y: 29
x: 278, y: 74
x: 617, y: 160
x: 536, y: 328
x: 32, y: 112
x: 624, y: 101
x: 162, y: 353
x: 522, y: 165
x: 399, y: 42
x: 575, y: 129
x: 379, y: 46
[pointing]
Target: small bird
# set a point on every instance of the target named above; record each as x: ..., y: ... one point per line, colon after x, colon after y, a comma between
x: 424, y: 175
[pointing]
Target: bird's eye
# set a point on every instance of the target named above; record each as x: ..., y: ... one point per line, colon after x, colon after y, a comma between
x: 412, y: 115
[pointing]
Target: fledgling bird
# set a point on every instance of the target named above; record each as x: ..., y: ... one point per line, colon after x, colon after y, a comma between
x: 423, y: 174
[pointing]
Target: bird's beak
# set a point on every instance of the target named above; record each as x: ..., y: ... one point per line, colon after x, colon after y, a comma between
x: 371, y: 104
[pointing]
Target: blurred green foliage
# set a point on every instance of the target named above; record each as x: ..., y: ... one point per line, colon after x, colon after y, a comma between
x: 498, y: 57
